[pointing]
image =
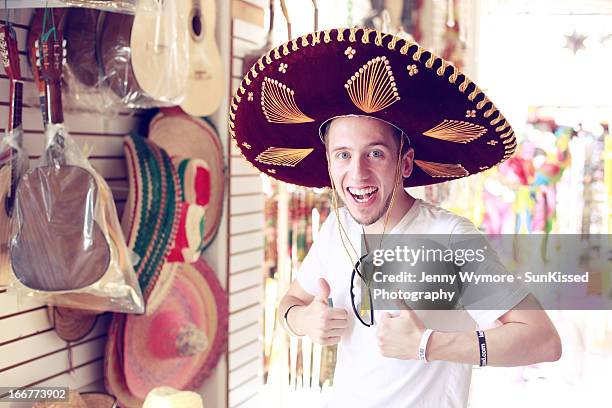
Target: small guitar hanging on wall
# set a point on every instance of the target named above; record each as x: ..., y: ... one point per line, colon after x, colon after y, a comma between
x: 58, y: 246
x: 205, y: 88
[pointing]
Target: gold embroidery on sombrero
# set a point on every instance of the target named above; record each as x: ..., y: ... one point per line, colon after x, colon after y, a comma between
x: 326, y: 36
x: 482, y: 103
x: 453, y: 78
x: 456, y: 131
x: 498, y: 119
x: 483, y: 167
x: 412, y: 70
x: 365, y: 38
x: 350, y: 52
x: 492, y: 142
x: 507, y: 134
x: 373, y: 87
x: 392, y: 43
x: 442, y: 169
x: 442, y: 68
x: 246, y: 145
x: 281, y: 156
x: 278, y: 103
x: 316, y: 38
x: 502, y: 127
x: 250, y: 97
x: 429, y: 63
x: 470, y: 113
x: 282, y: 68
x: 272, y: 171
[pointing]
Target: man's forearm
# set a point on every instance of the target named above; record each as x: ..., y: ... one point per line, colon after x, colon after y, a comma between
x: 512, y: 344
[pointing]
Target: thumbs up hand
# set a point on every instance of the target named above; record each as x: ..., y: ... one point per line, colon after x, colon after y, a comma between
x: 399, y: 336
x: 322, y: 324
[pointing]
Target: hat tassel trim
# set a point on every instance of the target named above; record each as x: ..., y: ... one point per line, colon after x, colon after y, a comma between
x: 406, y: 45
x: 442, y: 169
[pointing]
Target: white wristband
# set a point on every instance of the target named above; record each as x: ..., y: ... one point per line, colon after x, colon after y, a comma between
x: 423, y: 345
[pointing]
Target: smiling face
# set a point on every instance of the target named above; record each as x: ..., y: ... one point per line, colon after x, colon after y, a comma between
x: 363, y: 156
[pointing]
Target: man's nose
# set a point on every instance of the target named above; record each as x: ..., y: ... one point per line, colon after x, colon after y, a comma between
x: 359, y: 168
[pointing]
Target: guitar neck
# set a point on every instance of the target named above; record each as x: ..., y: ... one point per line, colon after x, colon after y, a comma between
x: 15, y: 108
x: 53, y: 102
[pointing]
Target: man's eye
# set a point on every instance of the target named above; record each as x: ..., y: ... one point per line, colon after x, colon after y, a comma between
x: 343, y: 155
x: 376, y: 153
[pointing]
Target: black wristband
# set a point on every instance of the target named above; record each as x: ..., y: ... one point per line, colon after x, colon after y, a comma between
x: 482, y: 347
x: 287, y: 326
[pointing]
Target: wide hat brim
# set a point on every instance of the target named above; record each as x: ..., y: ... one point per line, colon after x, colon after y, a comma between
x: 277, y: 112
x: 150, y: 220
x: 185, y: 136
x: 197, y: 295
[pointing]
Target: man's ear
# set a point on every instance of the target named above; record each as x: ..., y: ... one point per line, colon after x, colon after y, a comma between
x: 407, y: 163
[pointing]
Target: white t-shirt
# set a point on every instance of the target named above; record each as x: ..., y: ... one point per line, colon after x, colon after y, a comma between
x: 363, y: 377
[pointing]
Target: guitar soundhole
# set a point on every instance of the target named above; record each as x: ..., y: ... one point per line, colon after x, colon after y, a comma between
x: 197, y: 30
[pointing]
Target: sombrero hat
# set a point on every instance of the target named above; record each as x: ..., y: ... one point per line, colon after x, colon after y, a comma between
x: 72, y: 324
x: 185, y: 136
x: 177, y: 346
x: 277, y: 113
x: 150, y: 220
x: 99, y: 400
x: 169, y: 397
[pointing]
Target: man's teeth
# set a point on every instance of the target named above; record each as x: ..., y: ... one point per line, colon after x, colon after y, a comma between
x: 362, y: 191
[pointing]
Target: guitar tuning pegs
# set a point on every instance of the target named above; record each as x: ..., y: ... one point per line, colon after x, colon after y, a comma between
x: 64, y: 42
x: 65, y: 52
x: 36, y: 43
x: 38, y: 63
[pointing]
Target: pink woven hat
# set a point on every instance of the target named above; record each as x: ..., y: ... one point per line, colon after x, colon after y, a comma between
x: 177, y: 346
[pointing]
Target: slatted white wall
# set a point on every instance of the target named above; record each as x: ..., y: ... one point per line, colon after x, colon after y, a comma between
x: 246, y: 240
x: 30, y: 351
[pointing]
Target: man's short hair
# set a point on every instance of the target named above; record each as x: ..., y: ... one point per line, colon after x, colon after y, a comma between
x: 397, y: 132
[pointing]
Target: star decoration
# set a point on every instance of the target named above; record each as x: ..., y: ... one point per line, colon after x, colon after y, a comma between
x: 575, y: 42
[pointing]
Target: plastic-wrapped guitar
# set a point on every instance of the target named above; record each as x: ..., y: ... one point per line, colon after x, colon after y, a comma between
x: 58, y: 246
x: 68, y: 248
x: 13, y: 160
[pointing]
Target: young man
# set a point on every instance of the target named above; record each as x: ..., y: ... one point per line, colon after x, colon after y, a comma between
x: 383, y: 115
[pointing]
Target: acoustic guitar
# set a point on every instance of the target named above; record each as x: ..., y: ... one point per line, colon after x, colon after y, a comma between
x: 205, y: 83
x: 58, y: 246
x: 160, y: 50
x: 12, y: 162
x: 80, y: 33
